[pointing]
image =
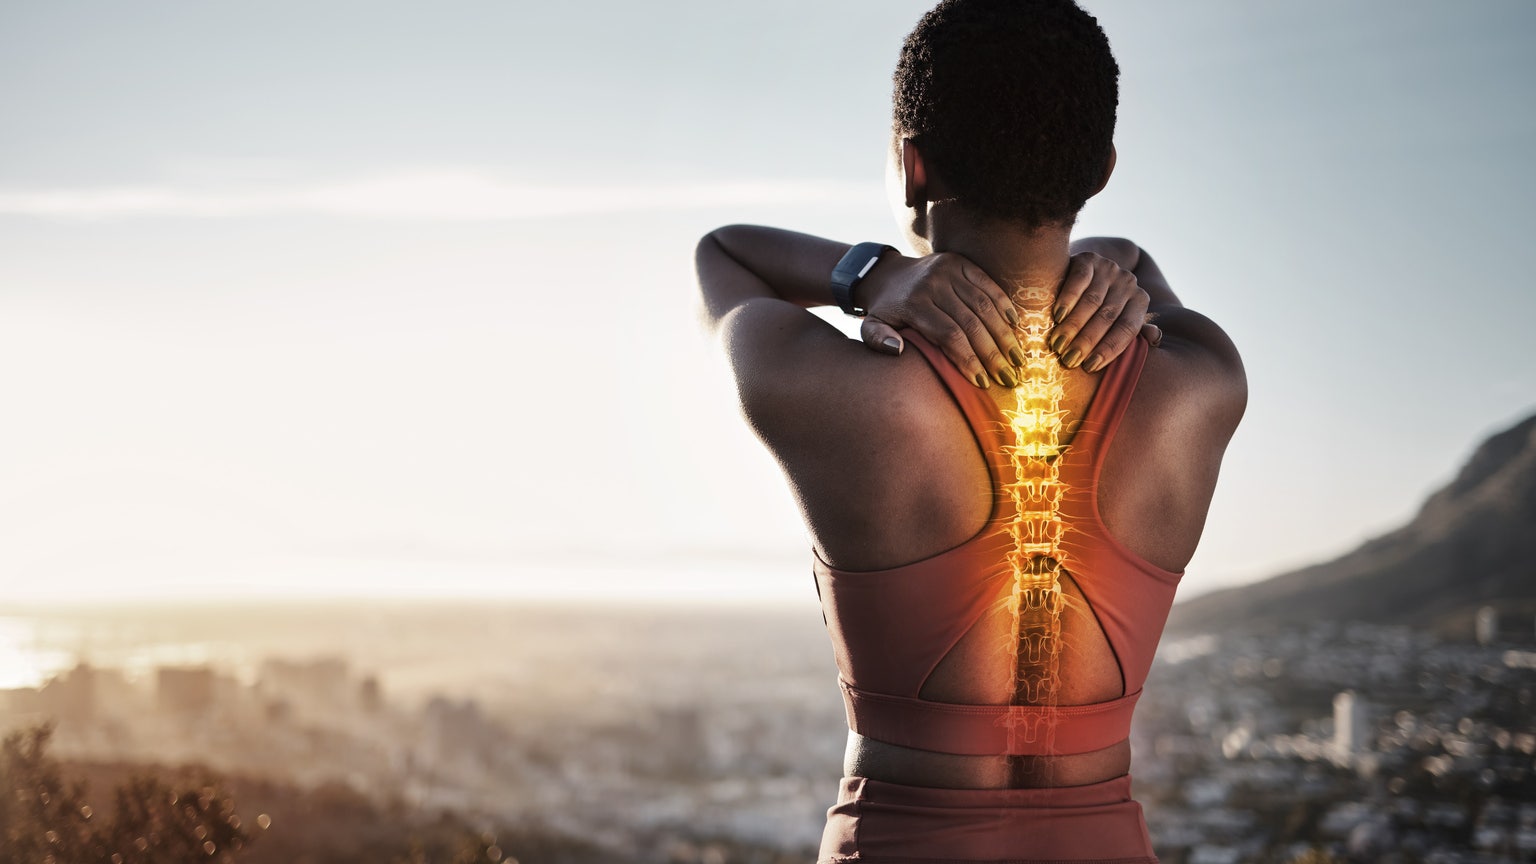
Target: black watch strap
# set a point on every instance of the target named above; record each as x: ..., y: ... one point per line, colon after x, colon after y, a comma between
x: 852, y: 270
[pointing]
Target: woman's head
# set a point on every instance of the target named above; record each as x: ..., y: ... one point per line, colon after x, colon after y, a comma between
x: 1011, y: 104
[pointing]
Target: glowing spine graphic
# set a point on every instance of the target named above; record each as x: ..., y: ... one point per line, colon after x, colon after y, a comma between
x: 1036, y: 558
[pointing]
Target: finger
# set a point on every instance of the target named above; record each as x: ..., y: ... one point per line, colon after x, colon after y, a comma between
x: 1118, y: 320
x: 981, y: 345
x: 1153, y: 332
x: 1090, y: 298
x: 978, y: 279
x: 880, y: 336
x: 939, y: 327
x: 1105, y: 338
x: 1079, y: 276
x: 991, y: 305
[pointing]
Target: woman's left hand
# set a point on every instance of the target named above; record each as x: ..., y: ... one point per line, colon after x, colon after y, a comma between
x: 1099, y: 311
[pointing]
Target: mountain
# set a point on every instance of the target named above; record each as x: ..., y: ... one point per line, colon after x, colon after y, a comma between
x: 1473, y: 542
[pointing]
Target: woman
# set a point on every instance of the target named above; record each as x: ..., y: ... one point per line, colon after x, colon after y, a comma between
x: 1000, y: 513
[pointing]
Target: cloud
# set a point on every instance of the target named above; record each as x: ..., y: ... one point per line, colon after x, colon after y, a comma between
x: 430, y: 195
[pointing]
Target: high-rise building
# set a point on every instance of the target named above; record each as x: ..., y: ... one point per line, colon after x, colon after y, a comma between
x: 71, y: 696
x: 321, y: 680
x: 184, y: 689
x: 1487, y: 625
x: 1351, y: 732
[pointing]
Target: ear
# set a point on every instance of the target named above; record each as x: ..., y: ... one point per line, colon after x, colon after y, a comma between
x: 1109, y: 168
x: 914, y: 172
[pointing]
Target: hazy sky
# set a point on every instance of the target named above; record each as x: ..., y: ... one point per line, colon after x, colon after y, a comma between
x: 383, y: 298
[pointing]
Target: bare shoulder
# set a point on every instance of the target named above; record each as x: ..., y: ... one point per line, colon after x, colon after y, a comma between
x: 882, y: 472
x: 802, y: 382
x: 1196, y: 375
x: 1161, y: 473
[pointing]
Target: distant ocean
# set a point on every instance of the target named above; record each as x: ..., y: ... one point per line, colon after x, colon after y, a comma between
x: 654, y: 714
x: 420, y: 643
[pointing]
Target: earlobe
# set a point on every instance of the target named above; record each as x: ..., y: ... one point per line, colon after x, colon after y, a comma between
x: 914, y: 174
x: 1109, y: 168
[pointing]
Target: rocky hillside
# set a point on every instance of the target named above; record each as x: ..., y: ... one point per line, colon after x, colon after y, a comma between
x: 1473, y: 542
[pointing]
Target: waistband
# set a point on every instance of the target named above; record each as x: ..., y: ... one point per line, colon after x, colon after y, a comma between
x: 875, y: 822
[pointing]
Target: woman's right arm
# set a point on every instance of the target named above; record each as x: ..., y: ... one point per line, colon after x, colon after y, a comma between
x: 1133, y: 258
x: 1165, y: 309
x: 1187, y: 330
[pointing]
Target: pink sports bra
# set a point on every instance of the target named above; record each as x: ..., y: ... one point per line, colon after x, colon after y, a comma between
x: 891, y: 628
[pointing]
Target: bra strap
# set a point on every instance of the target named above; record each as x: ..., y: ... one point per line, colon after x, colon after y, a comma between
x: 981, y: 414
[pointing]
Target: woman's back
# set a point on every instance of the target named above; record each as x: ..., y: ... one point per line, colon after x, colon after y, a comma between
x: 957, y: 520
x: 989, y: 662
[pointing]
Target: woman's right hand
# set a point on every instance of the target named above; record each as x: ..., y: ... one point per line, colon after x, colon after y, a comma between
x: 954, y: 304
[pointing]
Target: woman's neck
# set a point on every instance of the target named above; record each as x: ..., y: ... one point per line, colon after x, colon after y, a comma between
x: 1029, y: 265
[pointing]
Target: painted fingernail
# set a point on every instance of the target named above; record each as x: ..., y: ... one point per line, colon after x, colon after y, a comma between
x: 1017, y: 356
x: 981, y: 380
x: 1058, y: 342
x: 1059, y: 314
x: 892, y: 343
x: 1006, y: 378
x: 1095, y: 362
x: 1072, y: 357
x: 1011, y: 316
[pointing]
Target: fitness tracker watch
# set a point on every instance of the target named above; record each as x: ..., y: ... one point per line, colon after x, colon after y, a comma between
x: 852, y: 270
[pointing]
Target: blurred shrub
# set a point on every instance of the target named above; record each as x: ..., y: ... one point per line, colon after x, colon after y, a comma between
x: 46, y: 820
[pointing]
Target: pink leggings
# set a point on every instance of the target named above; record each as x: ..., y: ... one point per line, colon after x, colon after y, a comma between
x: 874, y: 821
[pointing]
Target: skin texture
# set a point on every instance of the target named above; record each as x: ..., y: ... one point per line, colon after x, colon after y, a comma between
x: 881, y: 461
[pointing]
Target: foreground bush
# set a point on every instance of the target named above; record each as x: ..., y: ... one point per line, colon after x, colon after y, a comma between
x: 43, y: 820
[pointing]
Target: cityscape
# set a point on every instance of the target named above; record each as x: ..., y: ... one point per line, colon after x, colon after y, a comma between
x: 711, y: 736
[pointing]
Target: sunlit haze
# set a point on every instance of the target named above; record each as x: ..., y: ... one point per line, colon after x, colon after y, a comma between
x: 396, y: 300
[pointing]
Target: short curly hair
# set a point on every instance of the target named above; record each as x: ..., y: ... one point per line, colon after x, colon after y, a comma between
x: 1012, y: 103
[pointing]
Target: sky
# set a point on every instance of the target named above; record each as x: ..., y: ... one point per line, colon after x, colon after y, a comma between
x: 380, y: 299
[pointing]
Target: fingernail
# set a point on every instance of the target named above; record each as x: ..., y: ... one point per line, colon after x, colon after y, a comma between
x: 981, y: 380
x: 1072, y: 357
x: 1058, y: 342
x: 1011, y: 316
x: 1094, y: 362
x: 1059, y: 314
x: 1006, y: 378
x: 892, y: 343
x: 1017, y: 356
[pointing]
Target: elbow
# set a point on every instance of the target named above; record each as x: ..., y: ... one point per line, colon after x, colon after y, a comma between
x: 709, y: 244
x: 712, y: 262
x: 705, y: 254
x: 1117, y: 249
x: 718, y: 240
x: 1127, y: 251
x: 1236, y: 402
x: 712, y: 249
x: 703, y: 318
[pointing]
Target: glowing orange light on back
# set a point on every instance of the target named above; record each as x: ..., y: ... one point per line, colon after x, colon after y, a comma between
x: 1036, y: 559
